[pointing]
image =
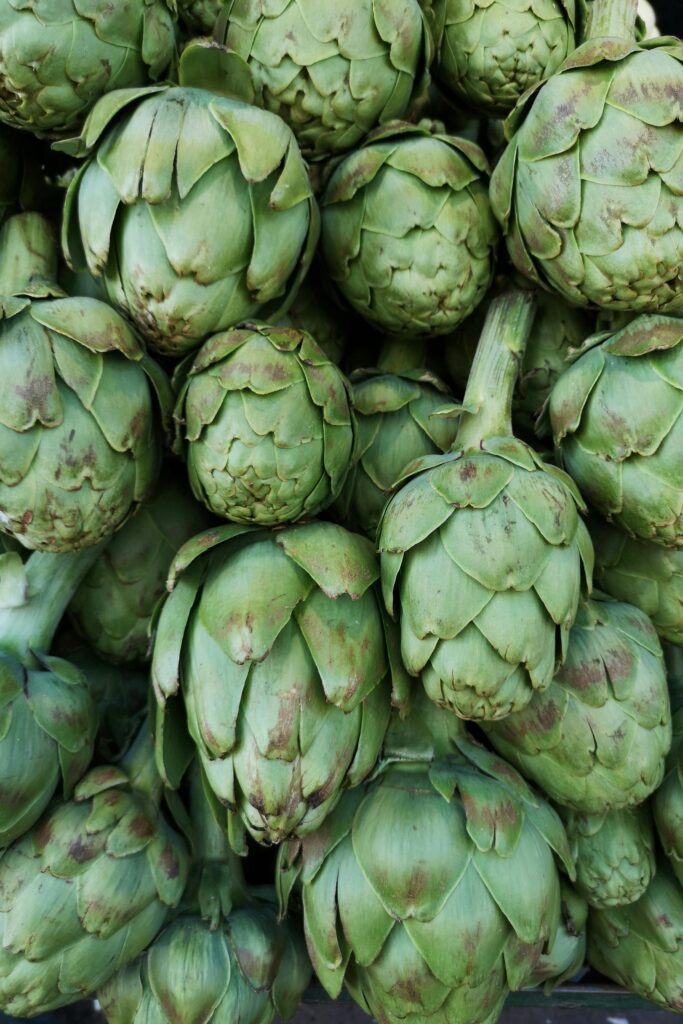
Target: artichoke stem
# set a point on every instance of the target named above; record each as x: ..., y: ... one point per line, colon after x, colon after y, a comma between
x: 488, y: 398
x: 139, y: 765
x: 28, y: 257
x: 219, y: 884
x: 613, y: 19
x: 52, y: 580
x: 398, y: 355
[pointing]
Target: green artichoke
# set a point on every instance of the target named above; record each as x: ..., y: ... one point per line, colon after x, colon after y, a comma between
x: 614, y: 854
x: 483, y: 552
x: 640, y: 946
x: 407, y: 231
x: 332, y: 71
x: 617, y: 418
x: 317, y: 311
x: 88, y: 889
x: 79, y: 445
x: 142, y: 212
x: 432, y: 890
x: 200, y: 15
x: 57, y: 57
x: 646, y: 574
x: 567, y: 954
x: 588, y: 190
x: 265, y: 423
x: 275, y: 641
x: 597, y: 738
x: 491, y: 51
x: 113, y: 606
x: 396, y: 424
x: 667, y: 803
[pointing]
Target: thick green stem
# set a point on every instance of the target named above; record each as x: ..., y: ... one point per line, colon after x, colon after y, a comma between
x: 399, y: 355
x: 139, y: 765
x: 219, y: 880
x: 612, y: 18
x: 28, y: 257
x: 52, y: 580
x: 494, y: 372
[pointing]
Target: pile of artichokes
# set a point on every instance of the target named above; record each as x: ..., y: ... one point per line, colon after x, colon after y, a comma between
x: 341, y: 505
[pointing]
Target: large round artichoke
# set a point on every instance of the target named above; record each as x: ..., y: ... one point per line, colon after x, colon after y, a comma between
x: 57, y: 57
x: 588, y: 189
x: 646, y: 574
x: 333, y: 71
x: 86, y: 891
x: 491, y: 51
x: 407, y: 231
x: 483, y: 551
x: 265, y: 423
x: 432, y: 890
x: 112, y: 608
x: 275, y: 641
x: 396, y: 424
x: 596, y: 739
x: 617, y: 417
x: 79, y: 443
x: 145, y: 212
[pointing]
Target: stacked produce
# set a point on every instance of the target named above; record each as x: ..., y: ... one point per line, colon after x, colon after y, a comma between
x: 341, y: 499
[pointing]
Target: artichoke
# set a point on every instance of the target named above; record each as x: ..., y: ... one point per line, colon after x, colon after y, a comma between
x: 617, y: 417
x: 79, y: 445
x: 483, y: 549
x: 396, y: 424
x: 597, y: 738
x: 200, y: 16
x: 407, y: 231
x: 142, y: 211
x: 640, y: 946
x: 667, y: 803
x: 112, y: 608
x: 265, y: 422
x: 588, y: 190
x: 432, y: 890
x: 646, y: 574
x: 491, y: 51
x: 88, y: 889
x: 332, y: 71
x: 276, y: 642
x: 316, y: 311
x: 567, y: 954
x: 614, y: 854
x: 57, y: 57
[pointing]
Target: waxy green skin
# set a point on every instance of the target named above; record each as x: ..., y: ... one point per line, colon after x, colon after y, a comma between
x: 590, y: 204
x: 395, y: 424
x: 640, y: 946
x: 113, y: 607
x: 646, y: 574
x: 129, y: 218
x: 250, y: 968
x: 265, y: 424
x: 617, y: 420
x: 597, y: 738
x: 57, y: 57
x: 333, y: 72
x: 491, y: 51
x: 275, y: 642
x: 432, y: 890
x: 407, y: 231
x: 84, y: 893
x: 614, y: 854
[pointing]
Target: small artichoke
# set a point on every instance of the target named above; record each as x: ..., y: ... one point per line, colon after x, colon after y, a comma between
x: 614, y: 854
x: 432, y: 890
x: 596, y: 739
x: 484, y: 555
x: 276, y: 643
x: 200, y: 15
x: 152, y: 234
x: 88, y: 889
x: 588, y: 189
x: 113, y: 606
x: 265, y: 423
x: 79, y: 443
x: 333, y: 72
x: 407, y: 231
x: 640, y: 946
x: 617, y: 418
x: 317, y: 310
x: 395, y: 424
x: 646, y: 574
x: 57, y: 57
x: 491, y: 51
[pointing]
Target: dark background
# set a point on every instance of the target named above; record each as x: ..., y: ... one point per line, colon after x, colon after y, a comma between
x: 669, y: 16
